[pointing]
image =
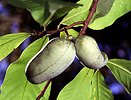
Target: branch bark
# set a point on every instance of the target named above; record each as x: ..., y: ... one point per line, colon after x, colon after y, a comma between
x: 90, y: 15
x: 67, y: 27
x: 43, y: 91
x: 86, y: 22
x: 60, y: 30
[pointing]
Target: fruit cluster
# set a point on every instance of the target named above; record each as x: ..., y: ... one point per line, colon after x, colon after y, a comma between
x: 59, y: 53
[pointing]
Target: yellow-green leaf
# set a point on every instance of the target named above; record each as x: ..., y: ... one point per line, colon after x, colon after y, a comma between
x: 118, y: 9
x: 121, y: 69
x: 10, y: 42
x: 15, y: 85
x: 99, y: 89
x: 79, y: 88
x: 86, y: 86
x: 70, y: 32
x: 78, y: 14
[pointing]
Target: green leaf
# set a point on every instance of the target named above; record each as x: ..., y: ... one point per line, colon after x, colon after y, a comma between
x: 77, y: 14
x: 119, y: 8
x: 79, y: 88
x: 121, y: 69
x: 86, y: 86
x: 81, y: 13
x: 103, y: 8
x: 70, y: 32
x: 10, y: 42
x: 44, y: 11
x: 107, y: 12
x: 15, y: 85
x: 99, y: 89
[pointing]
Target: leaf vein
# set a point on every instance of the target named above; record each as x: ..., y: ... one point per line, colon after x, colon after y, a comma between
x: 24, y: 90
x: 12, y: 40
x: 75, y: 15
x: 80, y: 85
x: 119, y: 67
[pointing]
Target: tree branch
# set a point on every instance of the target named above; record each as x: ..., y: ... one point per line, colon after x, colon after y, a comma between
x: 60, y: 30
x: 43, y: 91
x: 86, y: 22
x: 67, y: 27
x: 90, y: 15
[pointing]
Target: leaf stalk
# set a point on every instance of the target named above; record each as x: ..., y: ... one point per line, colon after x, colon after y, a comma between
x: 43, y: 91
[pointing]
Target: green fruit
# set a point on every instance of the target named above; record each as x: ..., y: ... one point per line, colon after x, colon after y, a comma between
x: 51, y: 60
x: 88, y: 52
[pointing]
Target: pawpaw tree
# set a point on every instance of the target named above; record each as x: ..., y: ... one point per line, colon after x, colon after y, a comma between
x: 89, y: 83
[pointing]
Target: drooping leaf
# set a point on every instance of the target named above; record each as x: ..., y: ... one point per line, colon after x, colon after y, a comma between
x: 70, y: 32
x: 119, y: 8
x: 10, y: 42
x: 99, y: 89
x: 43, y: 11
x: 79, y: 88
x: 15, y: 85
x: 77, y: 14
x: 121, y: 69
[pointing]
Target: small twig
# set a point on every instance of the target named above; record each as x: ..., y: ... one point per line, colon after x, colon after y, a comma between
x: 90, y: 15
x: 43, y: 91
x: 67, y: 27
x: 86, y: 22
x: 60, y: 30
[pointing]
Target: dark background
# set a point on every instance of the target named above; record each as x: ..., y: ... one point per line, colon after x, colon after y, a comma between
x: 115, y: 40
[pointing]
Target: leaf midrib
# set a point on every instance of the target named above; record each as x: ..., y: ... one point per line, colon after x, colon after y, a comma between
x: 24, y: 90
x: 80, y: 85
x: 74, y: 15
x: 119, y: 67
x: 13, y: 39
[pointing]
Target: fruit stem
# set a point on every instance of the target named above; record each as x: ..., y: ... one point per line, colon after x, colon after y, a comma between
x: 90, y: 15
x: 43, y: 91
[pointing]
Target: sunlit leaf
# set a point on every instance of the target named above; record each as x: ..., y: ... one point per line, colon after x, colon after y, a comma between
x: 119, y: 8
x: 121, y: 69
x: 15, y: 85
x: 86, y: 86
x: 70, y: 32
x: 44, y: 11
x: 99, y: 89
x: 79, y: 88
x: 107, y: 12
x: 10, y: 42
x: 77, y: 14
x: 80, y: 14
